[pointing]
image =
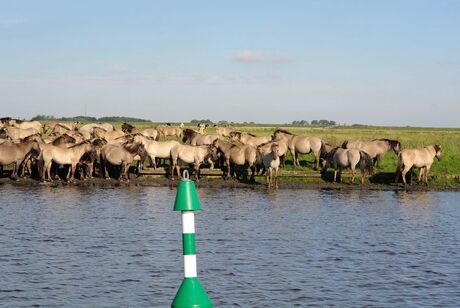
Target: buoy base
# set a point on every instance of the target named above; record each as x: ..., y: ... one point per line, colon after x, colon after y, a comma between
x: 191, y: 294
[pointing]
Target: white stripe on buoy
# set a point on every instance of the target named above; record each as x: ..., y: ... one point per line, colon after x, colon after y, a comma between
x: 188, y: 222
x: 190, y: 266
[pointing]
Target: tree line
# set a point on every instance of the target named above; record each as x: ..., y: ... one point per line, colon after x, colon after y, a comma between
x: 87, y: 119
x: 315, y: 122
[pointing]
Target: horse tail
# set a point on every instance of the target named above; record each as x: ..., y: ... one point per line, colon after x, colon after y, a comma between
x: 323, y: 151
x: 345, y: 144
x: 366, y: 162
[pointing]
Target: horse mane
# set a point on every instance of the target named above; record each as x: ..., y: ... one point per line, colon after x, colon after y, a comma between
x: 279, y: 130
x: 437, y: 147
x: 252, y: 135
x: 126, y: 127
x: 19, y: 121
x: 264, y: 144
x: 63, y: 137
x: 6, y: 119
x: 60, y: 125
x: 392, y: 142
x: 78, y: 144
x: 131, y: 147
x: 189, y: 132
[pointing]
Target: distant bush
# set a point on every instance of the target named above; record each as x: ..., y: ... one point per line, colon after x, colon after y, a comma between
x: 302, y: 122
x: 207, y: 121
x: 323, y: 122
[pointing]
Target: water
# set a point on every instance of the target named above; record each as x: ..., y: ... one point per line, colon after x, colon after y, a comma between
x: 121, y: 247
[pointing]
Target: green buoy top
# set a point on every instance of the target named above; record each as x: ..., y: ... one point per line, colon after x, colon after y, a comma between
x: 186, y: 197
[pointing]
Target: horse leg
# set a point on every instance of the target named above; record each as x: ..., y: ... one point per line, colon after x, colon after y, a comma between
x: 105, y: 170
x: 127, y: 171
x: 48, y: 169
x: 276, y: 178
x: 316, y: 160
x: 68, y: 172
x: 282, y: 157
x: 73, y: 167
x: 154, y: 162
x: 420, y: 175
x: 363, y: 174
x: 15, y: 169
x: 294, y: 157
x: 427, y: 169
x: 403, y: 174
x: 1, y: 170
x: 90, y: 169
x: 178, y: 170
x: 335, y: 176
x: 197, y: 170
x: 253, y: 171
x: 353, y: 174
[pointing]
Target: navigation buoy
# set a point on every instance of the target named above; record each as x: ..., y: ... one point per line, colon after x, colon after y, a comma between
x: 191, y: 293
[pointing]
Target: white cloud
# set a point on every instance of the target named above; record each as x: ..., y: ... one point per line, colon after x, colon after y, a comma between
x: 119, y: 69
x: 248, y: 56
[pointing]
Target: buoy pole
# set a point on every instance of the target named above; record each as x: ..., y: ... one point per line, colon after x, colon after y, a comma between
x: 191, y: 293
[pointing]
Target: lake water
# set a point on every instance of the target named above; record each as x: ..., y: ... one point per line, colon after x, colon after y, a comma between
x: 121, y: 247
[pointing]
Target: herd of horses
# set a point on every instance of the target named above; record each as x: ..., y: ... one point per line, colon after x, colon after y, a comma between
x: 42, y: 150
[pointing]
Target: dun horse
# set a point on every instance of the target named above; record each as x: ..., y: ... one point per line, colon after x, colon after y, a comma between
x: 16, y: 153
x: 190, y: 154
x: 418, y: 158
x: 249, y: 139
x: 271, y: 162
x: 195, y: 138
x: 156, y: 149
x: 375, y: 148
x: 17, y: 133
x: 301, y: 144
x: 120, y: 155
x: 168, y: 130
x: 239, y: 155
x: 63, y: 156
x: 340, y: 158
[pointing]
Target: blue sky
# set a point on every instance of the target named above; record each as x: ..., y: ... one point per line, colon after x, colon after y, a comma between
x: 373, y: 62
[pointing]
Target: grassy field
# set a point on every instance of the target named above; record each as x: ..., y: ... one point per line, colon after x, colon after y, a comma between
x: 444, y: 172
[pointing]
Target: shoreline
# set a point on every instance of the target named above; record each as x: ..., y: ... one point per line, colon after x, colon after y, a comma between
x: 213, y: 182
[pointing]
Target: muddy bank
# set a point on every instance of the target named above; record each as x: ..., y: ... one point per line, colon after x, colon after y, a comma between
x: 217, y: 182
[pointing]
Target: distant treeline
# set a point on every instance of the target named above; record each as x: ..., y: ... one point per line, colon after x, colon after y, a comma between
x: 87, y: 119
x: 315, y: 122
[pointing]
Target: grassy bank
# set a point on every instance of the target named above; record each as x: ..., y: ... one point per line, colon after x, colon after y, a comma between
x: 443, y: 173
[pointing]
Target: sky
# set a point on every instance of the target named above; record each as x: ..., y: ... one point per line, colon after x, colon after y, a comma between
x: 368, y: 62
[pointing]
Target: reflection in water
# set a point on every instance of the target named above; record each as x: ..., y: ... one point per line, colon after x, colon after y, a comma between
x: 86, y: 247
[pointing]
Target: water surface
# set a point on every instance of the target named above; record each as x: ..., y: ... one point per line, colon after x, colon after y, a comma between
x: 121, y: 247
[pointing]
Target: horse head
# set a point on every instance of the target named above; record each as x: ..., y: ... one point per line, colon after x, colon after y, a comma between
x: 437, y: 148
x: 395, y: 146
x: 212, y: 152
